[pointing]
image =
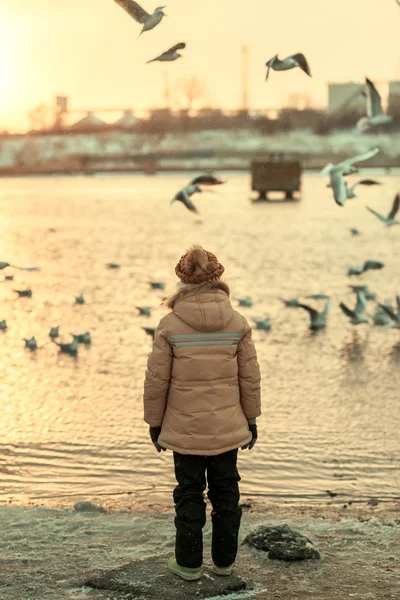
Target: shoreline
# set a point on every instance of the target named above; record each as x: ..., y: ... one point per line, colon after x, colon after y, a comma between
x: 49, y: 554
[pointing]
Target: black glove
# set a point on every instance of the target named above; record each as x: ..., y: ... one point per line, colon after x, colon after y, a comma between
x: 154, y: 433
x: 253, y: 429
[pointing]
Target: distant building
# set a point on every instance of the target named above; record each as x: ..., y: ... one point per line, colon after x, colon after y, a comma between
x: 89, y: 122
x: 394, y: 98
x: 127, y: 120
x: 344, y: 98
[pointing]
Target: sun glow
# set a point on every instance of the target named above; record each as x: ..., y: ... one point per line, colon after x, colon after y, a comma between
x: 9, y: 55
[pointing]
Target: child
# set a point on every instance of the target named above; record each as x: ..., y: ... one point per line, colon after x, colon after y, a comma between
x: 201, y: 400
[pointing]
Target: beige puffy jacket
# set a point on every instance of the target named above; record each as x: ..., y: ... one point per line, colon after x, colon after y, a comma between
x: 203, y: 379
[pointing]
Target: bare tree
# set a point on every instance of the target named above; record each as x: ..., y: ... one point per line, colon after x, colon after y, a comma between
x: 190, y: 92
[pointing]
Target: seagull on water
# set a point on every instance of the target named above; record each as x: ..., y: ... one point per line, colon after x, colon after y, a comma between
x: 395, y: 316
x: 354, y: 231
x: 140, y: 15
x: 247, y: 301
x: 390, y: 219
x: 290, y: 62
x: 79, y: 299
x: 264, y: 324
x: 30, y: 343
x: 375, y: 115
x: 53, y: 333
x: 3, y: 325
x: 317, y: 319
x: 369, y: 265
x: 144, y: 311
x: 169, y: 55
x: 70, y: 348
x: 3, y: 265
x: 83, y: 338
x: 357, y: 316
x: 24, y: 293
x: 150, y: 331
x: 157, y: 285
x: 346, y: 167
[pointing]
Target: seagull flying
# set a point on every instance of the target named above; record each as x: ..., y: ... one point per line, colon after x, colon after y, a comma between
x: 350, y: 190
x: 390, y: 219
x: 144, y: 310
x: 375, y: 115
x: 364, y: 288
x: 193, y: 187
x: 337, y: 172
x: 389, y: 311
x: 380, y: 317
x: 369, y: 265
x: 290, y: 303
x: 150, y: 331
x: 207, y: 180
x: 3, y: 265
x: 290, y: 62
x: 318, y: 297
x: 169, y: 55
x: 140, y: 15
x: 357, y: 316
x: 317, y: 319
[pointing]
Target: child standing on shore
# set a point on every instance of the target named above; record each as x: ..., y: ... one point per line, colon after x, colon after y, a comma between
x: 201, y: 400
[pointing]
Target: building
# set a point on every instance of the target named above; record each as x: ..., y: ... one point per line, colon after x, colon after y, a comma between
x: 127, y: 121
x: 89, y: 122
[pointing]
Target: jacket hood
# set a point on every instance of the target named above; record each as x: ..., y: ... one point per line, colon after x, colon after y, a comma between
x: 206, y: 308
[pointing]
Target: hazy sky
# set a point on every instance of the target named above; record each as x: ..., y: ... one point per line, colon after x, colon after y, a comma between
x: 89, y: 50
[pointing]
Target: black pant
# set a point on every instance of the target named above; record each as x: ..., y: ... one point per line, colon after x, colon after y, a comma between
x: 190, y: 507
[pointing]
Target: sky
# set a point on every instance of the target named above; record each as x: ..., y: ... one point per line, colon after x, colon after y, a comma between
x: 89, y: 50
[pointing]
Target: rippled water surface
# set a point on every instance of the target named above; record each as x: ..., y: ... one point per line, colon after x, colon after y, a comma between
x: 74, y: 427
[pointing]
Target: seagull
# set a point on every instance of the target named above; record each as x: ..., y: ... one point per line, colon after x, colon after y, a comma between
x: 3, y: 325
x: 389, y: 311
x: 357, y: 316
x: 291, y: 303
x: 79, y: 299
x: 349, y: 162
x: 144, y: 310
x: 290, y: 62
x: 169, y: 55
x: 31, y: 343
x: 247, y: 301
x: 184, y: 196
x: 207, y: 180
x: 390, y: 219
x: 53, y: 333
x: 264, y: 324
x: 380, y: 317
x: 368, y: 265
x: 336, y: 173
x: 350, y: 190
x: 375, y: 115
x: 83, y: 338
x: 193, y: 187
x: 3, y: 265
x: 70, y: 348
x: 354, y: 231
x: 140, y: 15
x: 157, y: 285
x: 150, y: 331
x: 112, y: 265
x: 24, y: 293
x: 318, y: 297
x: 364, y: 288
x: 317, y: 319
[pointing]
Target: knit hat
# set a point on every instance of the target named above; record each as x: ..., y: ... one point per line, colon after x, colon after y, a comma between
x: 198, y: 266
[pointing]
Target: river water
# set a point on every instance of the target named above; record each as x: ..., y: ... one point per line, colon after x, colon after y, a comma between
x: 73, y: 427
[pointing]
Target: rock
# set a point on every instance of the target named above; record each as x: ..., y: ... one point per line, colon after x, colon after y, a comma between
x: 149, y: 578
x: 373, y: 502
x: 87, y: 506
x: 282, y: 543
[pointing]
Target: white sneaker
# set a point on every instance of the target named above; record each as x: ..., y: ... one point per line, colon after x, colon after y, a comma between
x: 224, y: 571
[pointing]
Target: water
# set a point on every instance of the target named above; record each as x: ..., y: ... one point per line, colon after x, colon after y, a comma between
x: 74, y: 427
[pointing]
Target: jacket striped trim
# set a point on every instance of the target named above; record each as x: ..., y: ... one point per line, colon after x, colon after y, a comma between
x: 205, y: 339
